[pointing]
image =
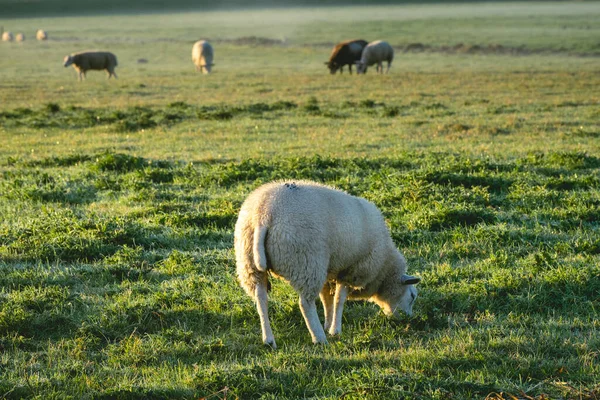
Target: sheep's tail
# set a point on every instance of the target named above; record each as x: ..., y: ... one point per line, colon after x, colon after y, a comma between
x: 260, y: 256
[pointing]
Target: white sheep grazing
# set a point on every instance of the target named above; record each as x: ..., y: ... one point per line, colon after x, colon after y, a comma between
x: 375, y: 53
x: 95, y: 60
x: 41, y: 35
x: 7, y: 36
x: 20, y: 37
x: 202, y: 56
x: 314, y: 236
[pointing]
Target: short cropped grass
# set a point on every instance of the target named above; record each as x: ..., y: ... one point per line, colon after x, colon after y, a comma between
x: 118, y: 201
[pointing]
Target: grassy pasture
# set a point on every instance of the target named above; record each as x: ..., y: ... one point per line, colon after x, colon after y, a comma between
x: 118, y: 200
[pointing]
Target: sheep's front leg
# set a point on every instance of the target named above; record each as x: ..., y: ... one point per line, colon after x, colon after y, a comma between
x: 309, y: 312
x: 341, y: 294
x: 263, y: 313
x: 327, y: 300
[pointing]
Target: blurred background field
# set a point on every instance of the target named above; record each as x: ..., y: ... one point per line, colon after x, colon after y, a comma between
x: 118, y: 197
x: 469, y: 59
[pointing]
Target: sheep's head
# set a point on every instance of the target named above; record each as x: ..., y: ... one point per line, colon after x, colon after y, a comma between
x: 361, y: 67
x: 68, y: 60
x: 409, y: 295
x: 397, y: 291
x: 333, y: 67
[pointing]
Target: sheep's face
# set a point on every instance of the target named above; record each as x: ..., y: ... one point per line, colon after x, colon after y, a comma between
x: 68, y: 60
x: 333, y: 67
x: 407, y: 300
x: 398, y: 297
x: 361, y: 67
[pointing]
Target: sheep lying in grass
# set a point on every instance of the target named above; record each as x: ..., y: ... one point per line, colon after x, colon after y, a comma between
x: 41, y: 35
x: 7, y: 36
x: 375, y: 53
x: 314, y: 236
x: 202, y: 56
x: 96, y: 60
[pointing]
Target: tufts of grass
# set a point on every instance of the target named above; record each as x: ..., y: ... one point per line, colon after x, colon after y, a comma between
x: 449, y: 218
x: 141, y: 276
x: 119, y: 163
x: 312, y: 106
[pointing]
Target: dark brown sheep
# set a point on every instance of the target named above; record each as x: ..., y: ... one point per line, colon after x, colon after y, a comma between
x: 345, y: 53
x: 96, y: 60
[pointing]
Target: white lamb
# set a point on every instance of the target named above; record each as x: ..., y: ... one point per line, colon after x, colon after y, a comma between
x: 314, y: 237
x: 202, y: 56
x: 375, y: 53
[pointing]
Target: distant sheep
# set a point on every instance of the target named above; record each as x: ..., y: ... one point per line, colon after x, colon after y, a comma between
x: 20, y: 37
x: 41, y: 35
x: 202, y: 56
x: 345, y: 53
x: 375, y: 53
x: 7, y: 37
x: 316, y: 237
x: 95, y: 60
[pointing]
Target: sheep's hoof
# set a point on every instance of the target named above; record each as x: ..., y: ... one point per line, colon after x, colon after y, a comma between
x: 270, y: 343
x: 335, y: 332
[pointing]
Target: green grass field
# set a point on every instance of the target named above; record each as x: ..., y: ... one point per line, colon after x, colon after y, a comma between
x: 118, y: 200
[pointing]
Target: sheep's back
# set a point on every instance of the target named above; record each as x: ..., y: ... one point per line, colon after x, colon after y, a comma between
x: 95, y: 60
x: 377, y: 51
x: 318, y: 221
x: 202, y: 50
x: 348, y: 51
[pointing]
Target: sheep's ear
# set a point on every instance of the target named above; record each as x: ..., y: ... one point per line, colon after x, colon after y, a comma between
x: 409, y: 280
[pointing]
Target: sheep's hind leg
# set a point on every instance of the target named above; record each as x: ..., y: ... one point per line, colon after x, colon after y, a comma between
x: 341, y: 293
x: 327, y: 300
x: 309, y: 311
x: 260, y: 294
